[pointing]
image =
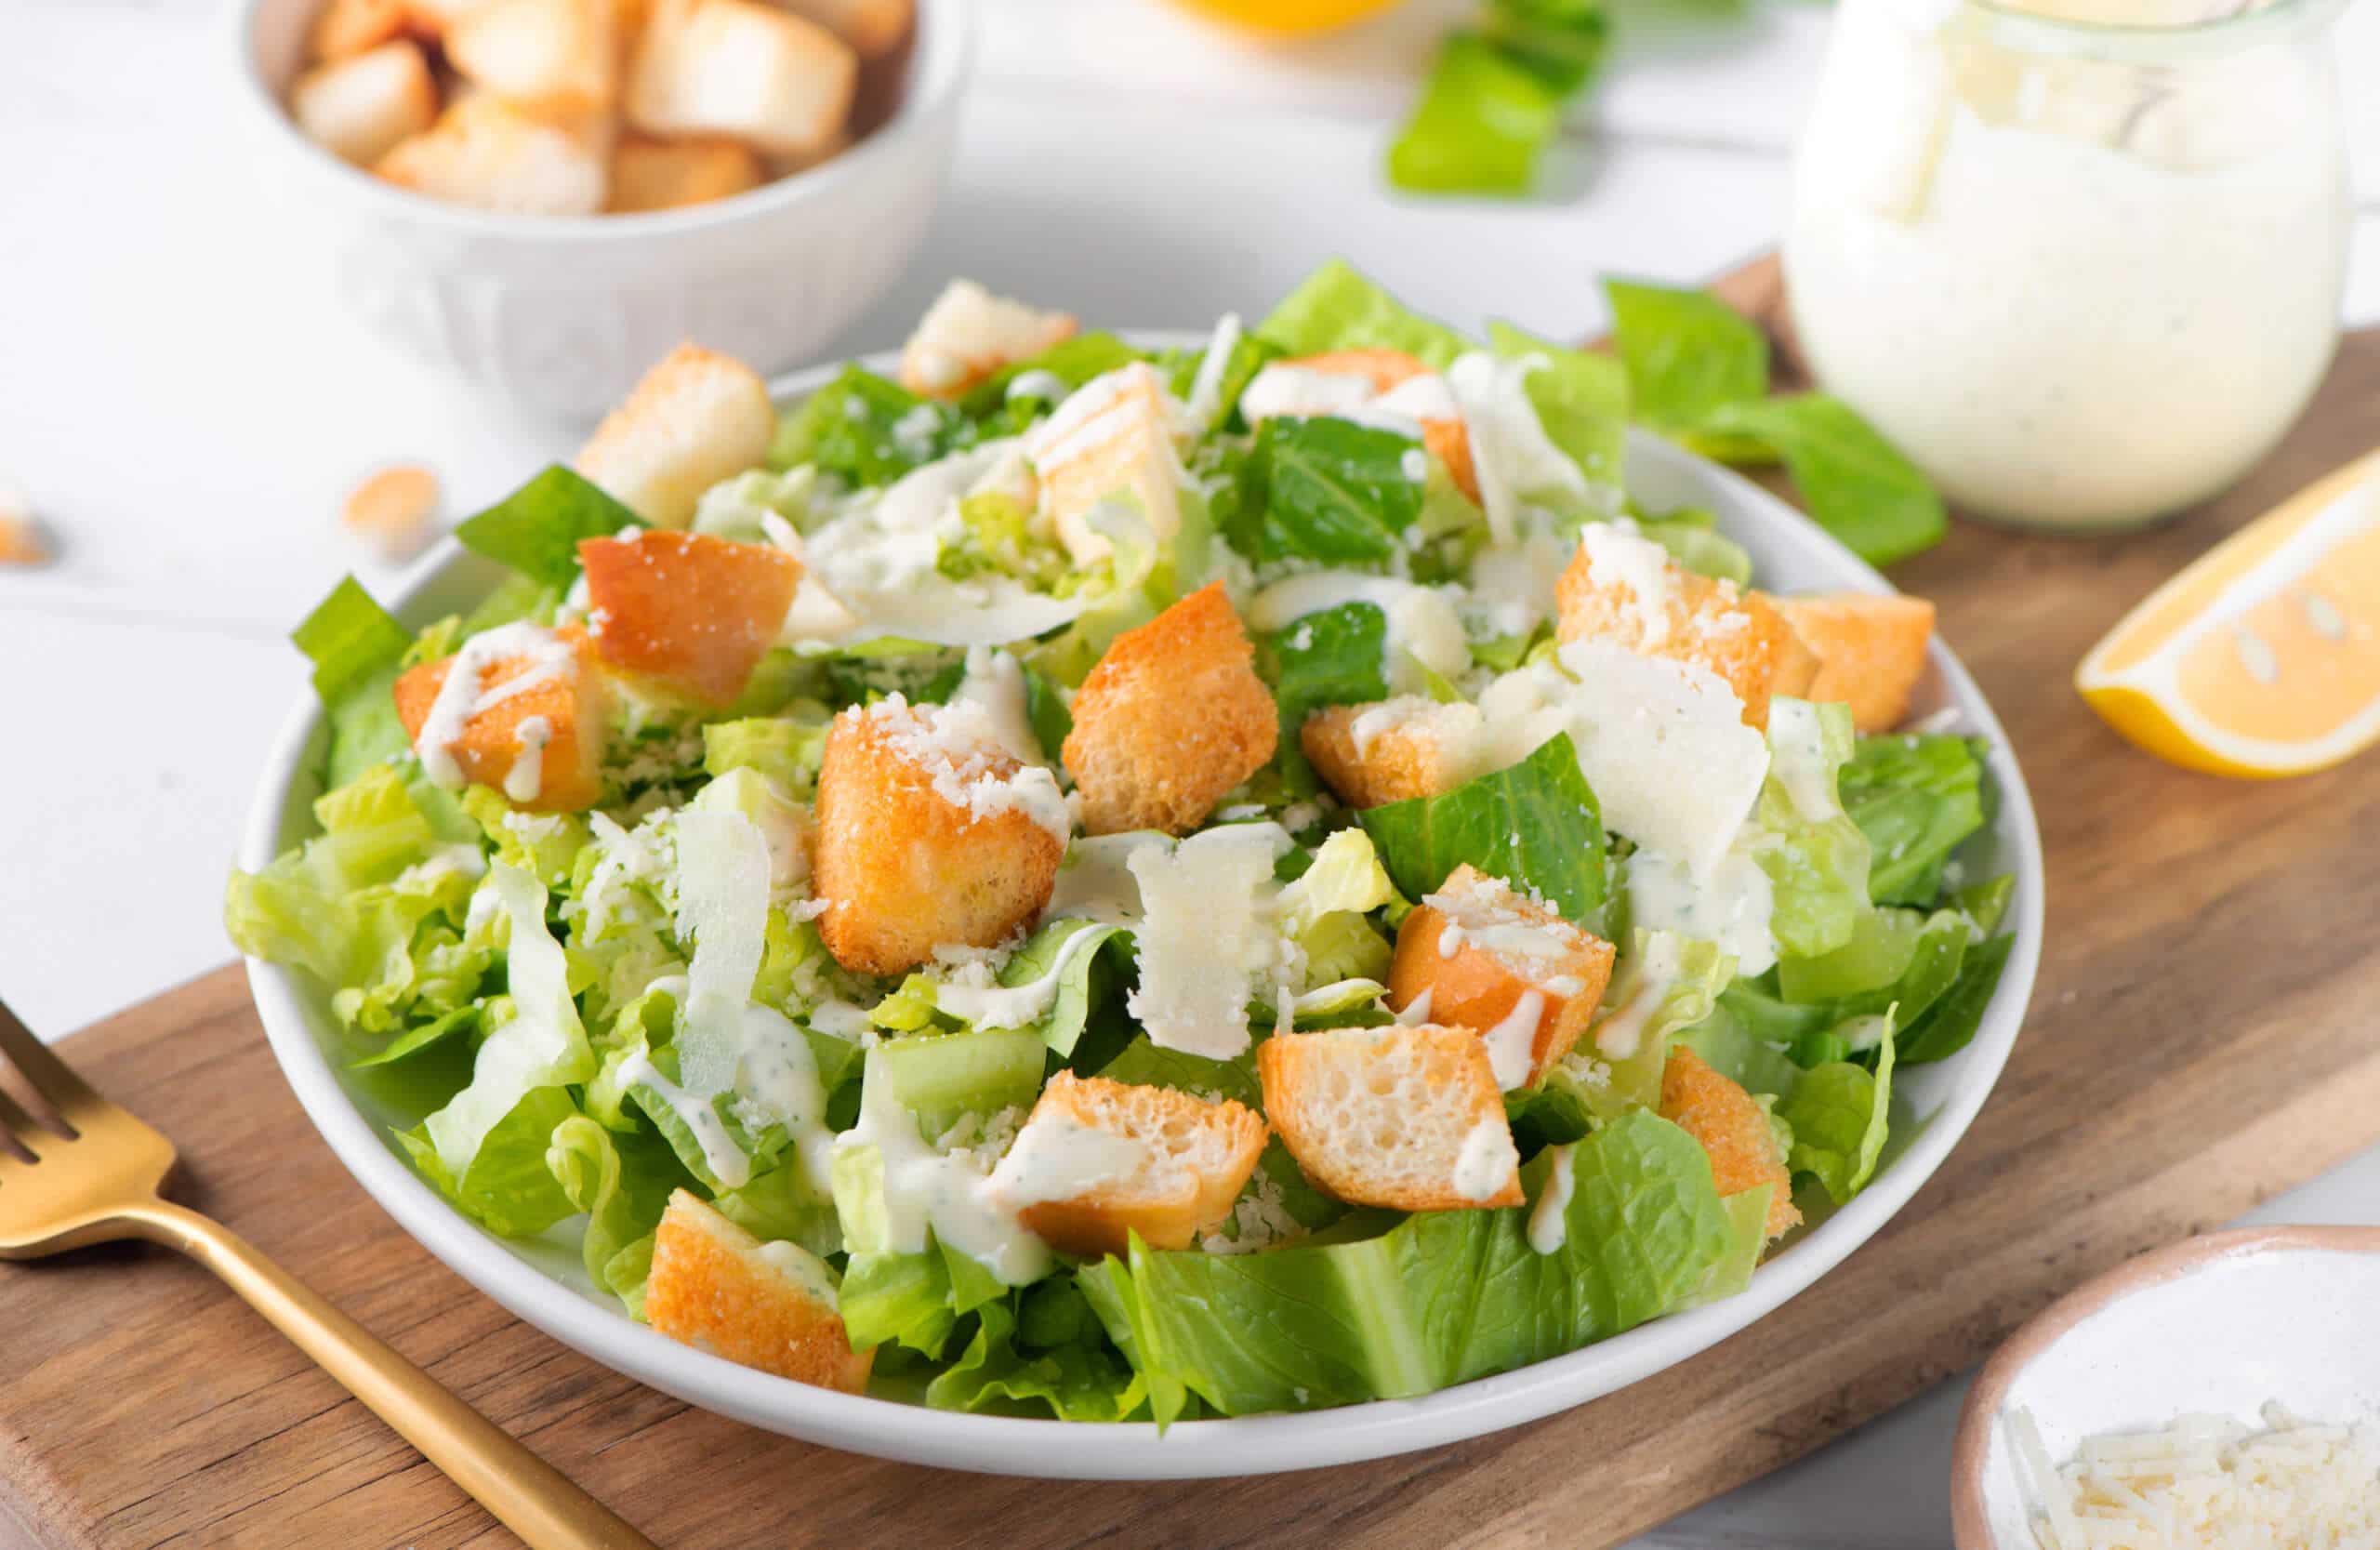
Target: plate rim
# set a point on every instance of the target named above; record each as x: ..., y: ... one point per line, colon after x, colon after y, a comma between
x: 909, y: 1433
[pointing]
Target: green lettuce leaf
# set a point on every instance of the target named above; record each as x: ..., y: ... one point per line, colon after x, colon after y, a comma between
x: 357, y: 649
x: 1336, y: 656
x: 786, y: 750
x: 1838, y: 1112
x: 1693, y: 543
x: 1441, y: 1298
x: 1856, y: 485
x: 1687, y: 353
x: 1816, y: 857
x: 867, y: 431
x: 1073, y: 361
x: 1484, y: 118
x: 537, y: 529
x: 1535, y: 825
x: 1949, y: 1025
x: 782, y: 1205
x: 1916, y: 797
x: 1327, y: 490
x: 505, y: 1187
x: 913, y: 1300
x: 1079, y: 1378
x: 1664, y: 983
x: 1336, y: 307
x: 621, y: 1182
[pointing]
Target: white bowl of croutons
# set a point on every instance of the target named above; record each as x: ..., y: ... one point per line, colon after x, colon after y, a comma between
x: 547, y: 195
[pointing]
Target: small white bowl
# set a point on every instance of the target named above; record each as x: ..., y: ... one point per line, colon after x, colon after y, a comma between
x: 2219, y: 1324
x: 561, y: 316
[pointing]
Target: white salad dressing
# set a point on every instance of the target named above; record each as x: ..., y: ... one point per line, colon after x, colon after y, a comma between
x: 1654, y: 976
x: 949, y: 1192
x: 1485, y: 1159
x: 1731, y: 905
x: 544, y: 1043
x: 1096, y: 882
x: 1417, y: 1011
x: 1801, y: 765
x: 814, y: 1275
x: 1549, y: 1219
x: 994, y: 685
x: 463, y: 694
x: 2081, y: 283
x: 1209, y: 936
x: 1058, y: 1158
x: 1018, y: 1006
x: 1047, y: 386
x: 523, y: 781
x: 1617, y: 552
x: 1425, y: 629
x: 1204, y: 408
x: 1511, y: 1043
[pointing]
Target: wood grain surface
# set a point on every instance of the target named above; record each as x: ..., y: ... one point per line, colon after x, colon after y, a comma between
x: 2202, y: 1037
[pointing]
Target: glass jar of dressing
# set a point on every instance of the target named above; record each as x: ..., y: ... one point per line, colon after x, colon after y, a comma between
x: 2082, y: 261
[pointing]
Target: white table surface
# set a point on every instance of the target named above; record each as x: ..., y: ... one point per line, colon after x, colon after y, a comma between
x: 186, y: 409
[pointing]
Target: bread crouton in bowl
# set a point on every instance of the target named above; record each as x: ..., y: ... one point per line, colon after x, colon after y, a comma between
x: 546, y: 209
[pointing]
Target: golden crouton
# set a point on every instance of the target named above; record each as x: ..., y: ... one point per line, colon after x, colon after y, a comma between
x: 969, y: 334
x: 1870, y: 650
x: 1474, y: 953
x: 499, y: 746
x: 485, y: 153
x: 873, y: 28
x: 740, y: 69
x: 694, y: 610
x: 664, y: 175
x: 718, y: 1289
x: 394, y: 512
x: 435, y: 19
x: 1732, y: 1127
x: 557, y: 54
x: 1623, y: 587
x: 1404, y: 1117
x: 359, y: 106
x: 1395, y: 749
x: 345, y: 28
x: 1384, y: 369
x: 1173, y: 717
x: 1115, y: 436
x: 694, y: 420
x: 1185, y: 1163
x: 929, y: 835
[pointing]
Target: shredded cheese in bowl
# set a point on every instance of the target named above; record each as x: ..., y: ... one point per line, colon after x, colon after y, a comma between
x: 2206, y: 1480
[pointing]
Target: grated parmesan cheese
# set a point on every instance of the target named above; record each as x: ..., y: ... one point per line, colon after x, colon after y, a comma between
x: 2208, y: 1481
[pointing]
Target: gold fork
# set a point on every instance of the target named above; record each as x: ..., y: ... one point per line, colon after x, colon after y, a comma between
x: 95, y: 1178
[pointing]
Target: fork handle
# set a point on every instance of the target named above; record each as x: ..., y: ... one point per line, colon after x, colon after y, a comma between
x: 528, y: 1495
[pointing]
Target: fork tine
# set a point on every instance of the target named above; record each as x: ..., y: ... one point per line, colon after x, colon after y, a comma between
x: 17, y: 1128
x: 51, y: 1077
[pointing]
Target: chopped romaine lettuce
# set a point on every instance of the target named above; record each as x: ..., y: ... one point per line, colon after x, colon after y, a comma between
x: 537, y: 528
x: 1535, y: 825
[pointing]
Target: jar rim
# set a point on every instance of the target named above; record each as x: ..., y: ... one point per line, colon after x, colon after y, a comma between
x: 2155, y: 41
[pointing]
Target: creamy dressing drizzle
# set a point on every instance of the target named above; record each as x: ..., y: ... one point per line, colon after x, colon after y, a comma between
x: 1058, y: 1158
x: 994, y: 685
x: 1731, y: 905
x: 523, y: 782
x: 1511, y: 1043
x: 1096, y: 881
x: 948, y: 1192
x: 1205, y: 404
x: 1425, y: 631
x: 1417, y: 1011
x: 1017, y: 1006
x: 1486, y: 1160
x: 463, y: 694
x: 1549, y: 1221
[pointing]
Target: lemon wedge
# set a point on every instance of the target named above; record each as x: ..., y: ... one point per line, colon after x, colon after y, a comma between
x: 1288, y: 17
x: 2262, y: 659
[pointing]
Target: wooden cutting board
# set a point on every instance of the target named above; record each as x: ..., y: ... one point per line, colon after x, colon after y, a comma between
x: 2202, y: 1037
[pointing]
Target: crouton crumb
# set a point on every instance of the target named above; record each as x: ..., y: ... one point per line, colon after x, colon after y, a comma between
x: 393, y: 513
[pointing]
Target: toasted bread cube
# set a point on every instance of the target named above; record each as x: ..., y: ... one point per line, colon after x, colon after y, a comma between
x: 1478, y: 954
x: 873, y: 28
x: 485, y: 153
x: 1733, y: 1128
x: 393, y: 511
x: 969, y: 334
x: 665, y: 175
x: 1870, y: 650
x: 1395, y: 749
x: 435, y: 19
x: 694, y: 420
x: 555, y: 55
x: 1406, y: 1117
x: 345, y: 28
x: 1112, y: 436
x: 1623, y: 587
x: 695, y: 611
x: 1386, y: 369
x: 930, y: 834
x: 743, y: 69
x: 1158, y: 1163
x: 358, y: 107
x: 1173, y: 717
x: 718, y: 1289
x: 541, y: 746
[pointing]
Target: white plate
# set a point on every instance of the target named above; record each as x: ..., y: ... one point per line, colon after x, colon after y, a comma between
x: 542, y: 1282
